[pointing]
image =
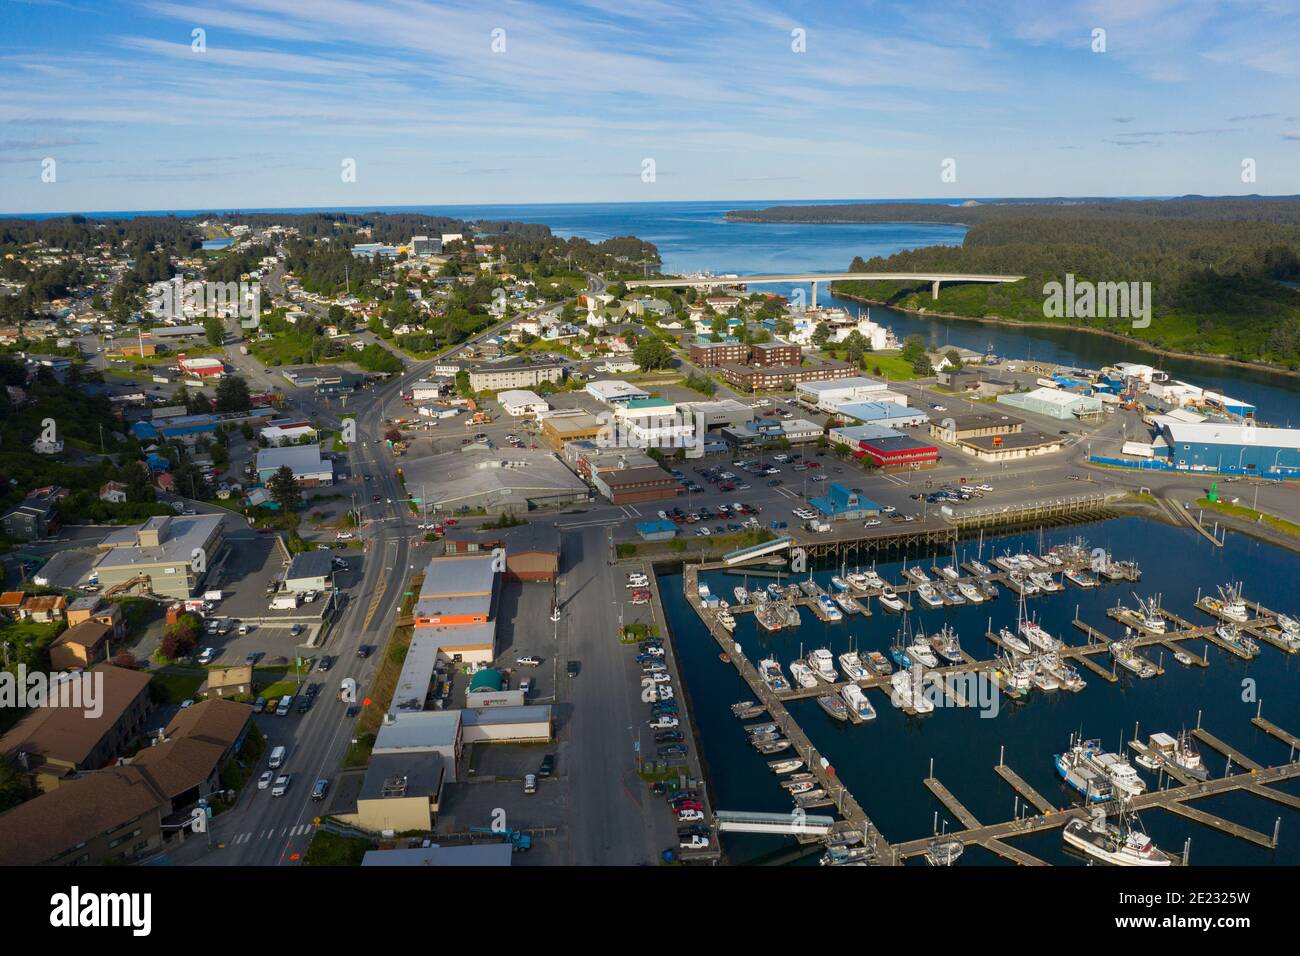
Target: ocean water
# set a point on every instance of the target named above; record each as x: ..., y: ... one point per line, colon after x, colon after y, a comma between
x: 885, y: 761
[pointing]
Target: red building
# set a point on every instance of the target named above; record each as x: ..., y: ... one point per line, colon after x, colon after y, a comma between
x: 902, y: 453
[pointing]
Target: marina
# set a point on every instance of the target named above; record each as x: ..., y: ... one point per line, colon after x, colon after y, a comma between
x: 1091, y: 652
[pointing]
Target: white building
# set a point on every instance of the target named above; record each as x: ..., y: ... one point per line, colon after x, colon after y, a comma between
x: 827, y: 395
x: 614, y: 391
x: 521, y: 403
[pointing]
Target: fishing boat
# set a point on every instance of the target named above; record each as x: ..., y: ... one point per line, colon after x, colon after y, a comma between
x: 746, y: 709
x: 898, y: 649
x: 1125, y: 656
x: 947, y: 645
x: 726, y: 619
x: 1149, y: 617
x: 823, y: 665
x: 803, y: 674
x: 839, y: 583
x: 772, y: 746
x: 1080, y: 577
x: 1288, y: 625
x: 970, y: 592
x: 1231, y: 634
x: 1122, y: 775
x: 847, y: 603
x: 791, y: 612
x: 772, y: 675
x: 765, y: 729
x: 833, y: 706
x: 846, y: 837
x: 905, y: 695
x: 798, y: 786
x: 848, y: 856
x: 758, y: 596
x: 770, y: 616
x: 1042, y: 678
x: 1067, y: 674
x: 916, y: 574
x: 811, y: 797
x: 1179, y: 752
x: 943, y: 852
x: 810, y: 588
x: 889, y: 599
x: 1229, y: 604
x: 1079, y: 774
x: 742, y: 596
x: 857, y: 701
x: 828, y: 608
x: 1122, y: 843
x: 989, y: 588
x: 786, y: 765
x: 1033, y: 632
x: 775, y: 591
x: 877, y: 663
x: 929, y: 595
x: 1007, y: 563
x: 1016, y: 674
x: 853, y: 667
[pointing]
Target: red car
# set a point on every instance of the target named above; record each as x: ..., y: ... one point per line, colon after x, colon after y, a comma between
x: 687, y: 805
x: 449, y: 522
x: 814, y: 464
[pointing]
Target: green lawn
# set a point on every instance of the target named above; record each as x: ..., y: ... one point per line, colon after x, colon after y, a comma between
x: 173, y: 687
x: 330, y: 849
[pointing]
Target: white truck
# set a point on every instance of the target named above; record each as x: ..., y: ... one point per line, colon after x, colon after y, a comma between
x: 285, y: 601
x: 212, y: 595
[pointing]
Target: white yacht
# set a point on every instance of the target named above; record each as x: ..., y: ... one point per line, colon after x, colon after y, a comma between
x: 920, y: 651
x: 853, y: 667
x: 1013, y: 641
x: 916, y: 574
x: 889, y: 599
x: 873, y: 580
x: 823, y: 664
x: 906, y: 696
x: 970, y: 592
x: 742, y: 596
x: 929, y: 595
x: 727, y: 620
x: 1034, y: 633
x: 857, y: 701
x: 803, y: 674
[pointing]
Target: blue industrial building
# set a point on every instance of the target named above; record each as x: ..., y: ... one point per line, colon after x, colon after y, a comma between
x: 1235, y: 449
x: 844, y: 504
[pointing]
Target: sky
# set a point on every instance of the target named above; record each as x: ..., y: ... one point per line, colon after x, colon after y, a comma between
x: 220, y: 104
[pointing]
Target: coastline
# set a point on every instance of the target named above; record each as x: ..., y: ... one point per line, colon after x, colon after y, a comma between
x: 1018, y: 323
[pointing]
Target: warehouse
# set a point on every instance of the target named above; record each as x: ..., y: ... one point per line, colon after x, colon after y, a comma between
x: 560, y: 428
x: 1248, y: 448
x: 457, y: 589
x: 656, y: 530
x: 841, y: 503
x: 429, y: 731
x: 624, y: 486
x: 823, y: 395
x: 1055, y: 403
x: 497, y: 480
x: 532, y: 549
x: 725, y: 411
x: 309, y: 469
x: 898, y: 453
x: 530, y: 723
x: 487, y: 689
x: 615, y: 392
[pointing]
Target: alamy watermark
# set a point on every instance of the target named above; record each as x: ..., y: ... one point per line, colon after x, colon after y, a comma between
x: 666, y: 431
x: 1084, y: 299
x: 178, y: 299
x: 75, y: 690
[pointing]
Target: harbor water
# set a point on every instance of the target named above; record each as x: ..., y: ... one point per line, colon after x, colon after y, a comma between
x: 884, y: 762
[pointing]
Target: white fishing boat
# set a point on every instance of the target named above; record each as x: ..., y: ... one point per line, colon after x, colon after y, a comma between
x: 847, y: 603
x: 1019, y: 582
x: 1017, y: 674
x: 947, y: 645
x: 775, y: 591
x: 929, y: 595
x: 1288, y: 625
x: 1149, y: 617
x: 1066, y: 674
x: 727, y: 620
x: 1034, y: 633
x: 1229, y: 604
x: 834, y: 706
x: 803, y: 674
x: 916, y: 574
x: 742, y: 596
x: 905, y: 695
x: 758, y: 596
x: 919, y: 651
x: 970, y: 592
x: 829, y: 609
x: 823, y: 665
x: 1125, y: 656
x: 1232, y: 634
x: 857, y: 580
x: 950, y: 594
x: 1122, y: 843
x: 1078, y: 772
x: 1122, y: 775
x: 703, y: 591
x: 1179, y: 752
x: 1042, y: 678
x: 853, y: 667
x: 857, y: 701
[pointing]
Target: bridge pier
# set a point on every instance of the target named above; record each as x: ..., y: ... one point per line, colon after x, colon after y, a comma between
x: 934, y: 290
x: 814, y: 296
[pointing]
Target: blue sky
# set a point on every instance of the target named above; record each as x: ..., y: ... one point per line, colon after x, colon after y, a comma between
x: 584, y: 92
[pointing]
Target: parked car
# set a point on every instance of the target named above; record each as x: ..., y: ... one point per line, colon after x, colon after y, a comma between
x: 530, y: 783
x: 548, y: 766
x: 573, y: 668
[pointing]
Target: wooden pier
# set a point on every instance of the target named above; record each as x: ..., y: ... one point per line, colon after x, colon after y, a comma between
x: 1022, y: 787
x: 951, y: 803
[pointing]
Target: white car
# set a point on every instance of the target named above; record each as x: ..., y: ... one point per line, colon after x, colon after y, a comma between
x: 665, y: 692
x: 207, y: 654
x: 265, y: 779
x: 661, y: 677
x: 281, y: 785
x: 871, y: 523
x: 345, y: 536
x: 887, y: 509
x: 664, y: 722
x: 690, y: 816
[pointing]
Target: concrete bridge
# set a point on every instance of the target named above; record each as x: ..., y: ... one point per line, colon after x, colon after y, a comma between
x: 711, y: 282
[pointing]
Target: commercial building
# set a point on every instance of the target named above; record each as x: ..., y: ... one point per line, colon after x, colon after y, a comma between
x: 202, y: 367
x: 826, y: 395
x: 400, y: 793
x: 887, y: 449
x: 513, y: 372
x: 774, y: 354
x: 422, y: 732
x: 841, y: 503
x: 310, y: 470
x: 322, y: 377
x: 428, y: 390
x: 487, y: 689
x: 425, y: 246
x: 159, y: 556
x: 886, y: 414
x: 659, y: 530
x: 368, y: 250
x: 532, y: 549
x: 615, y: 392
x: 558, y: 429
x: 723, y: 411
x: 310, y: 571
x: 520, y: 403
x: 624, y: 486
x: 954, y: 428
x: 1009, y: 447
x: 54, y: 743
x: 287, y: 432
x: 529, y: 724
x: 1055, y: 403
x: 458, y: 589
x: 1245, y: 448
x: 497, y: 480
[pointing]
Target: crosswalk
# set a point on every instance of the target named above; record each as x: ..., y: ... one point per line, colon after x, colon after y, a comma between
x: 273, y: 833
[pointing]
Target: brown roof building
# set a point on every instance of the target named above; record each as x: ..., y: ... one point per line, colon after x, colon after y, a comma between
x: 43, y: 608
x: 532, y: 550
x: 80, y: 646
x: 52, y: 743
x: 95, y: 608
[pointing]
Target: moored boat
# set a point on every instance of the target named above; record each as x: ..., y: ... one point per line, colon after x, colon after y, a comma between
x: 803, y: 674
x: 857, y: 701
x: 1122, y: 843
x: 823, y: 665
x: 853, y: 667
x: 834, y: 706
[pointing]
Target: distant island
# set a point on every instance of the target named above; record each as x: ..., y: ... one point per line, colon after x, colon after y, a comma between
x: 1217, y: 265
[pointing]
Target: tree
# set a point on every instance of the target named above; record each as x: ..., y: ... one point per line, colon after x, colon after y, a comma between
x: 954, y: 360
x: 233, y: 394
x: 214, y: 330
x: 190, y: 481
x: 14, y: 786
x: 283, y: 489
x: 180, y: 639
x: 855, y: 345
x: 652, y: 354
x: 821, y: 335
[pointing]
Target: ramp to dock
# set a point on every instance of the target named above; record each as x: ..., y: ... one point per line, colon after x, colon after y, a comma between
x: 740, y: 555
x: 793, y: 823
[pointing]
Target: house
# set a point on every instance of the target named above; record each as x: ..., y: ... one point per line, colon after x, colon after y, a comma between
x: 43, y: 608
x: 113, y: 492
x: 309, y: 469
x: 35, y: 517
x: 81, y: 646
x: 94, y: 608
x: 185, y: 766
x: 520, y: 403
